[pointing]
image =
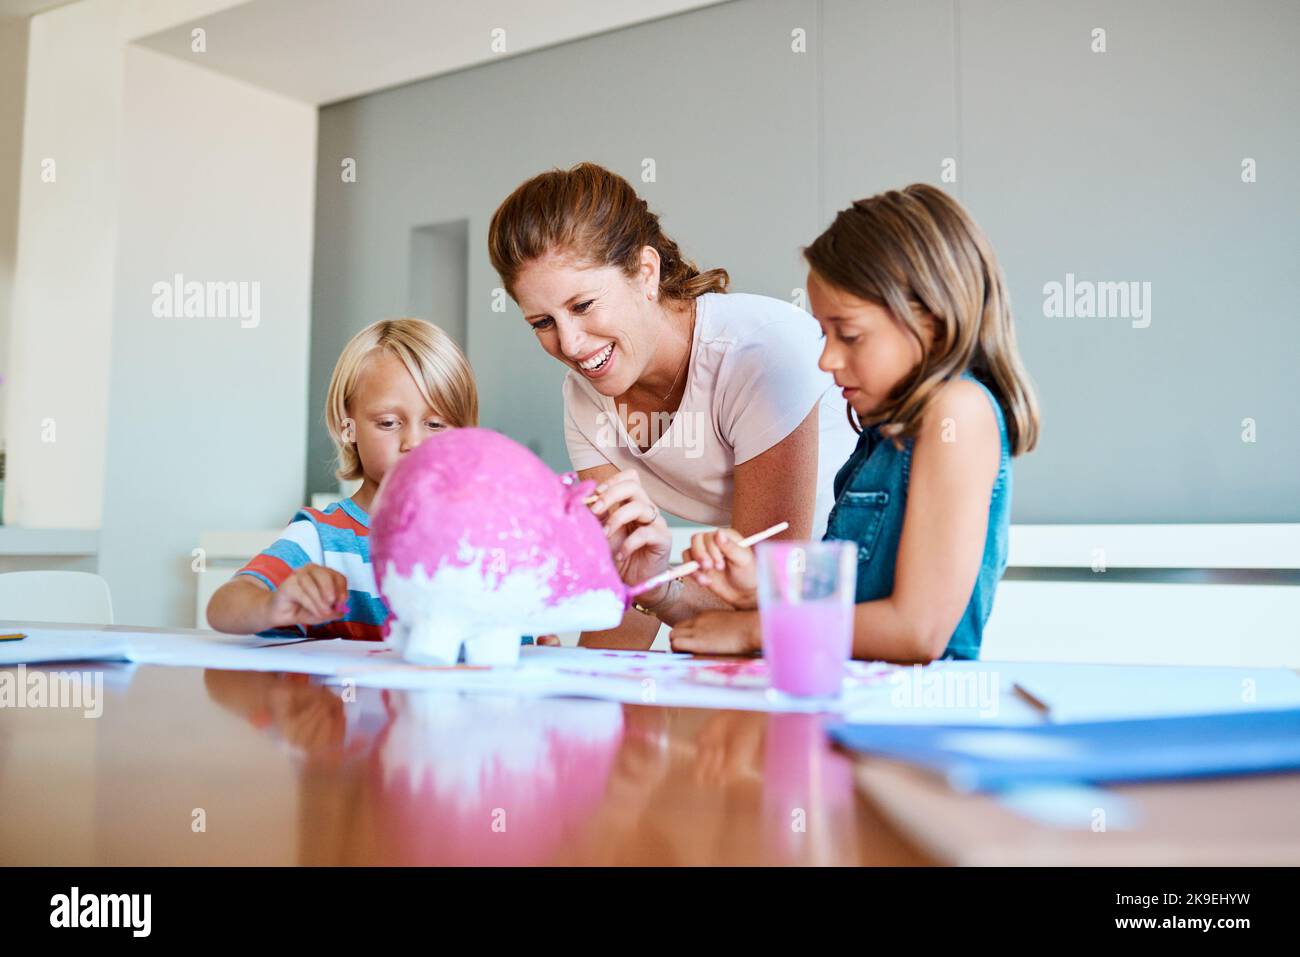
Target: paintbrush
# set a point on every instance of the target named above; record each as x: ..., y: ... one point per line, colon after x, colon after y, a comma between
x: 690, y: 567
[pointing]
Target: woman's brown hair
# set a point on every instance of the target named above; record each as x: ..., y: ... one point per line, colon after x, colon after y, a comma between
x: 595, y: 216
x: 917, y: 253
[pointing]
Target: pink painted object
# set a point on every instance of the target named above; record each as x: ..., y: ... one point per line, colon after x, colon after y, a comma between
x: 475, y: 542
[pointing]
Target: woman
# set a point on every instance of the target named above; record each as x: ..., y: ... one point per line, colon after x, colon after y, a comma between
x: 679, y: 396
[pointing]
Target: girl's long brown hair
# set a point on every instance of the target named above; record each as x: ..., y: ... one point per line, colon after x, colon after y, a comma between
x: 595, y: 216
x: 917, y: 253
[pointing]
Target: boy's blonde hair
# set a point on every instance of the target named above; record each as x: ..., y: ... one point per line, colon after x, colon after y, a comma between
x: 440, y: 370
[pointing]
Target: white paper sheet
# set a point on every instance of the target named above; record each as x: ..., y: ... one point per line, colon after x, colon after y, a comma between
x: 628, y: 676
x: 945, y: 692
x: 631, y: 677
x: 1092, y: 692
x: 45, y: 644
x: 199, y: 649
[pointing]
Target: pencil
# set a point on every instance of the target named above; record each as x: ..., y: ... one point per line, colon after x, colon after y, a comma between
x: 1033, y: 701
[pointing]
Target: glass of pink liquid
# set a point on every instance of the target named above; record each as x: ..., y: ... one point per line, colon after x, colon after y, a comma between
x: 805, y: 606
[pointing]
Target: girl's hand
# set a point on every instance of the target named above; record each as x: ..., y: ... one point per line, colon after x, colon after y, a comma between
x: 312, y: 595
x: 638, y: 536
x: 718, y: 633
x: 726, y: 567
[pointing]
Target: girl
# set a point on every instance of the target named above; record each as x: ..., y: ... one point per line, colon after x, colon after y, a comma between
x: 396, y: 383
x: 918, y: 335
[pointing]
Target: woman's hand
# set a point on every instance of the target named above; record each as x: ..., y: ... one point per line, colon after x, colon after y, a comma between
x: 638, y: 536
x: 312, y: 595
x: 726, y: 567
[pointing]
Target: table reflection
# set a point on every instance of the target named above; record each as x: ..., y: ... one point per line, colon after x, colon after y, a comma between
x: 406, y: 777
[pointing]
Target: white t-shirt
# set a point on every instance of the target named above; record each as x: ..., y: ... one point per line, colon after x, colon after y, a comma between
x: 752, y: 379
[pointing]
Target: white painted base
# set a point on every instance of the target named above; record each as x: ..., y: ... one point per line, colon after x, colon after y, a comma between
x: 439, y: 642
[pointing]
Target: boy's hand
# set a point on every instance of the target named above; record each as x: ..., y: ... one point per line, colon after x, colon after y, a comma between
x: 726, y: 567
x: 312, y: 595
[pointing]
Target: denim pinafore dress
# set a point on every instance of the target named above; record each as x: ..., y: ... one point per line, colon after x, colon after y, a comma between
x: 870, y: 502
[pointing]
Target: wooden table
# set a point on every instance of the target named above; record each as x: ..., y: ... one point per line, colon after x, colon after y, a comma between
x: 201, y: 766
x: 193, y: 766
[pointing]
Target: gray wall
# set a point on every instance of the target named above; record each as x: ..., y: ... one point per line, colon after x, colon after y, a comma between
x: 1123, y: 165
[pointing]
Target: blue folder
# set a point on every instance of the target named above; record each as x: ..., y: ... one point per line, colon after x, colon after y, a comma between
x: 984, y: 758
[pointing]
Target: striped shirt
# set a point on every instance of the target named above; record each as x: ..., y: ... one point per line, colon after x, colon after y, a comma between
x: 337, y: 537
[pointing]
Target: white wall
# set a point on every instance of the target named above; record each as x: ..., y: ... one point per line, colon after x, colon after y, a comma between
x: 205, y: 414
x: 162, y: 427
x: 63, y: 285
x: 13, y: 87
x: 55, y: 367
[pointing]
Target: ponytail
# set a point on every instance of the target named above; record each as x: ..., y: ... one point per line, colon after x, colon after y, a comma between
x: 595, y: 215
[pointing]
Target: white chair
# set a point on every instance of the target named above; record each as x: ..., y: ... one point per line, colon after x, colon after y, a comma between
x: 55, y: 596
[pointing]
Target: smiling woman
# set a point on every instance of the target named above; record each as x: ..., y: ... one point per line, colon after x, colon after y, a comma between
x: 679, y: 396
